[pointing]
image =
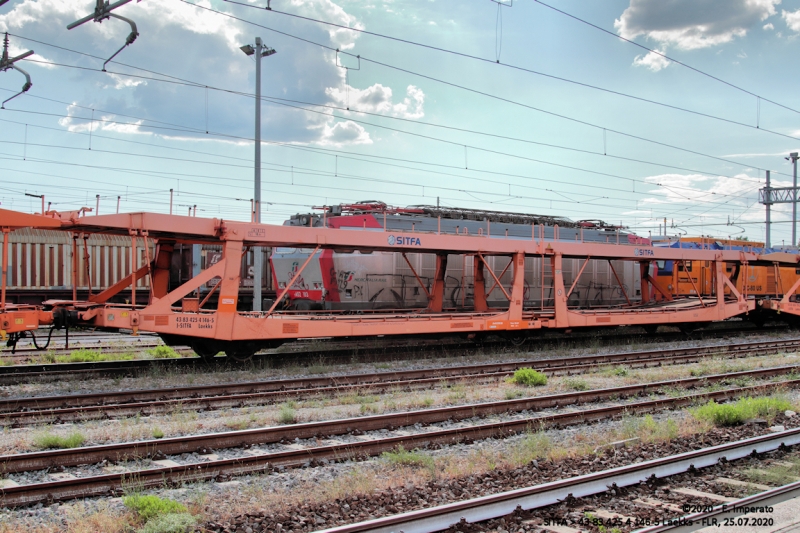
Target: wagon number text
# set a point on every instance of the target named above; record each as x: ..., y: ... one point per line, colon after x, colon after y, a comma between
x: 190, y: 322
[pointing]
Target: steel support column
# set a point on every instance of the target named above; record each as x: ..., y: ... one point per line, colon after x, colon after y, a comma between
x: 479, y: 284
x: 517, y: 287
x: 436, y: 301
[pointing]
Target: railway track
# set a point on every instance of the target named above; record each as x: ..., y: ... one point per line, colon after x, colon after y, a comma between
x: 484, y: 508
x: 352, y: 448
x: 24, y: 373
x: 59, y: 409
x: 119, y: 342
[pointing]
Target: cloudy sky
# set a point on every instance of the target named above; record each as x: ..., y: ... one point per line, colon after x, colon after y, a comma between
x: 629, y: 111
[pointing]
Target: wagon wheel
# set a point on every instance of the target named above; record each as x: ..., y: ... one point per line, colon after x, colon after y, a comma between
x: 516, y: 339
x: 205, y: 349
x: 241, y: 352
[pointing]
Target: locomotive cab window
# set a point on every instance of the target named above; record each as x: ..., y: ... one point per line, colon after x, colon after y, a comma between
x: 685, y: 267
x: 664, y: 267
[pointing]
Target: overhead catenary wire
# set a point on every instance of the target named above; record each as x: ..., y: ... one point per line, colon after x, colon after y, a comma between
x: 522, y: 69
x: 180, y: 81
x: 367, y: 156
x: 669, y: 58
x: 476, y: 91
x: 337, y: 152
x: 281, y: 101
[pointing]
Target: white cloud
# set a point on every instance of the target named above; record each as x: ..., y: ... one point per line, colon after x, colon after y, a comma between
x: 792, y: 19
x: 326, y: 10
x: 689, y: 24
x: 736, y: 191
x: 342, y: 133
x: 378, y: 99
x: 100, y: 123
x: 768, y: 26
x: 198, y: 45
x: 654, y: 61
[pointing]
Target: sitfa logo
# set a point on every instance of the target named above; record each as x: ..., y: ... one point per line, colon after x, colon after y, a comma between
x: 643, y: 252
x: 404, y: 241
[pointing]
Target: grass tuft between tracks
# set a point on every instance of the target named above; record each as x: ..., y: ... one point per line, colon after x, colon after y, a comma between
x: 287, y: 415
x: 49, y: 441
x: 160, y: 515
x: 738, y: 412
x: 163, y: 352
x: 529, y: 377
x: 84, y: 355
x: 401, y: 456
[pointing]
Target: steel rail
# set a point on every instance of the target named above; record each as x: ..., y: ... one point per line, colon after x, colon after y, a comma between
x: 155, y: 401
x: 497, y: 505
x: 109, y: 348
x: 550, y: 365
x: 703, y: 519
x: 223, y: 469
x: 10, y: 375
x: 231, y: 439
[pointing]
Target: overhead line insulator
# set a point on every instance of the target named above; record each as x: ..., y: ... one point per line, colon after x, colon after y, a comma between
x: 102, y: 11
x: 7, y: 63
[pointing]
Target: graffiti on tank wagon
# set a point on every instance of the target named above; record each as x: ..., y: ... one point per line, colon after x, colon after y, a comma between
x: 344, y: 277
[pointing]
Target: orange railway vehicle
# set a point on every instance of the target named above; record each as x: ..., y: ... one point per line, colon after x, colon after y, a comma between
x: 697, y: 277
x: 179, y: 316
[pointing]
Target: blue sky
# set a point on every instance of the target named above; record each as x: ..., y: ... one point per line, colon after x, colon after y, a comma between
x: 406, y: 124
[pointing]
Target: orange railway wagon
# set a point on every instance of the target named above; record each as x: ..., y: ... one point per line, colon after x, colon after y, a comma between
x: 178, y: 315
x: 693, y: 277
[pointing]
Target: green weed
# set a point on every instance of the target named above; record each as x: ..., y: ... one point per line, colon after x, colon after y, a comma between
x: 647, y: 429
x: 157, y: 433
x: 164, y: 352
x: 401, y: 456
x: 82, y: 356
x: 529, y: 377
x: 147, y: 506
x: 170, y: 523
x: 287, y: 415
x: 576, y: 384
x: 735, y: 413
x: 535, y: 445
x: 49, y: 441
x: 513, y: 394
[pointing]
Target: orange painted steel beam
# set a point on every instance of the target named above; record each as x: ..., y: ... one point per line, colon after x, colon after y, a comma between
x: 578, y: 277
x: 15, y: 219
x: 17, y: 318
x: 479, y: 286
x: 124, y: 283
x: 784, y: 305
x: 496, y: 279
x: 619, y: 282
x: 226, y: 324
x: 292, y: 281
x: 436, y: 297
x: 424, y: 288
x: 5, y: 269
x: 691, y: 280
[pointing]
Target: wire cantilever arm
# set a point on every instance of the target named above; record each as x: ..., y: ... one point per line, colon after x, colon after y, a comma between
x: 25, y: 87
x: 128, y: 41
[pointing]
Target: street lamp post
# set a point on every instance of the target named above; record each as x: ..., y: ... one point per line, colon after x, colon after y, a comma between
x: 259, y: 51
x: 793, y: 158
